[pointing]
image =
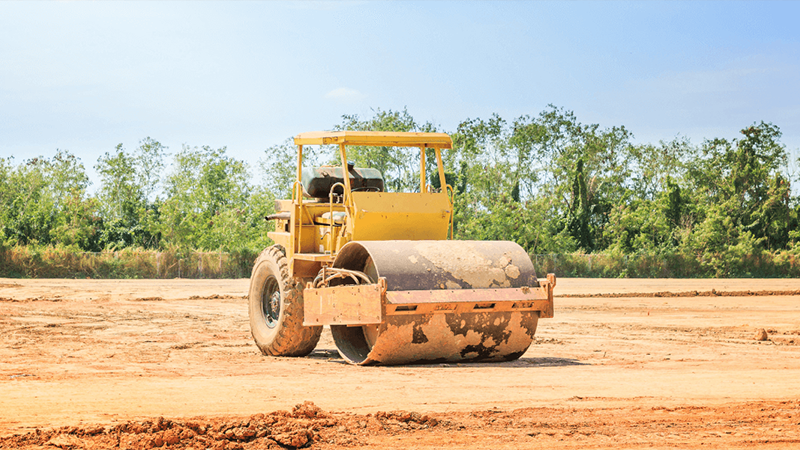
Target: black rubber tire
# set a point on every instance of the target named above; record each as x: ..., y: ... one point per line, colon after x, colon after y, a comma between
x: 278, y: 331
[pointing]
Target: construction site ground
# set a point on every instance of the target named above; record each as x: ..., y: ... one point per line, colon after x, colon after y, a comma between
x: 625, y: 363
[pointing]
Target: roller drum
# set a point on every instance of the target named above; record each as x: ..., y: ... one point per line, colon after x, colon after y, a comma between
x: 442, y: 336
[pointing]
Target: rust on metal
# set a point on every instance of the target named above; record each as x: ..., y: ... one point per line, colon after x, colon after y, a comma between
x: 509, y: 295
x: 434, y: 338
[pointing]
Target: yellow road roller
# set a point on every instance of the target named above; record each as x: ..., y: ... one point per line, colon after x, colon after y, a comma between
x: 381, y: 270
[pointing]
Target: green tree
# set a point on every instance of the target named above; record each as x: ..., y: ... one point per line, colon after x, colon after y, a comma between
x: 44, y: 202
x: 127, y: 199
x: 149, y: 159
x: 208, y: 204
x: 121, y: 195
x: 745, y: 178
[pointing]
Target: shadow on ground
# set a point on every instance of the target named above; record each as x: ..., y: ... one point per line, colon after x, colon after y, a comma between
x: 333, y: 356
x: 322, y: 353
x: 547, y: 362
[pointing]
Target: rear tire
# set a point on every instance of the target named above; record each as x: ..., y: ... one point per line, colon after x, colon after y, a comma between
x: 276, y: 308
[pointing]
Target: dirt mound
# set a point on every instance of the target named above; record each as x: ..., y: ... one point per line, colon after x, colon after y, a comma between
x: 278, y: 429
x: 711, y: 293
x: 303, y: 426
x: 754, y: 424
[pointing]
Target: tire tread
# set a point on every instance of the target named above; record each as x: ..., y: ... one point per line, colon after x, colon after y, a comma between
x: 291, y: 337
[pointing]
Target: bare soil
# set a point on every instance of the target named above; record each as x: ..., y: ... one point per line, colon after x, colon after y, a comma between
x: 624, y: 364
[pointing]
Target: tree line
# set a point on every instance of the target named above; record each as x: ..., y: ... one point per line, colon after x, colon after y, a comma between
x: 546, y: 181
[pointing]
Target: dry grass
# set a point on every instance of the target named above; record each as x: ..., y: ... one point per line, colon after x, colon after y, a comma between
x: 676, y: 265
x: 59, y: 262
x: 55, y: 262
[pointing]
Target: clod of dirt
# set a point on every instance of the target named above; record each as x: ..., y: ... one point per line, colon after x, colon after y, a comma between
x: 411, y: 418
x: 761, y: 335
x: 64, y: 441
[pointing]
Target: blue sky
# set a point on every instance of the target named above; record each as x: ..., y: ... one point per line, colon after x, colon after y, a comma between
x: 85, y: 76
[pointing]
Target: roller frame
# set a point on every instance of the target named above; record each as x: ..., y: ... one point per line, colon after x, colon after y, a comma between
x: 370, y: 304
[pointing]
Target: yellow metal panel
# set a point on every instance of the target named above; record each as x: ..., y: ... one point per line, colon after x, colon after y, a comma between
x: 318, y: 257
x: 468, y: 301
x: 280, y: 237
x: 307, y: 239
x: 466, y: 295
x: 400, y: 216
x: 301, y: 268
x: 375, y: 138
x: 283, y: 205
x: 311, y: 235
x: 342, y: 305
x: 465, y: 307
x: 548, y: 285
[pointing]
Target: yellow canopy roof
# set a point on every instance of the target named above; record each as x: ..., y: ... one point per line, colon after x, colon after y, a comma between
x: 375, y: 138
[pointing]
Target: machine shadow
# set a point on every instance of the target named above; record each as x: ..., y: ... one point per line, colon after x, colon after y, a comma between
x: 323, y: 353
x: 517, y: 363
x: 333, y: 356
x: 542, y: 362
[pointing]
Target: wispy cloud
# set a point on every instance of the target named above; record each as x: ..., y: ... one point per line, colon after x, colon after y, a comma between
x: 344, y: 94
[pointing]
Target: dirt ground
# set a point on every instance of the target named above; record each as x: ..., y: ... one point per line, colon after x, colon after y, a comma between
x: 171, y: 364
